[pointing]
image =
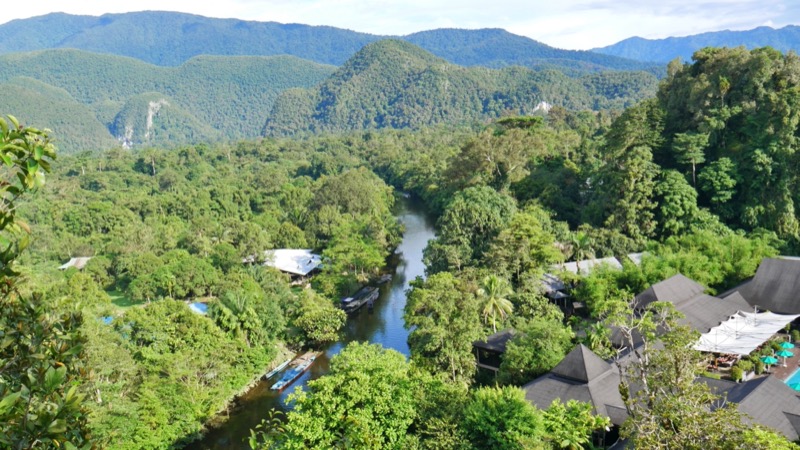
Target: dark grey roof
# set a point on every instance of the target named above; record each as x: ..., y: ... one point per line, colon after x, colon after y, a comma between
x: 581, y: 376
x: 676, y: 289
x: 496, y: 342
x: 767, y: 401
x: 775, y: 286
x: 581, y: 364
x: 602, y: 393
x: 704, y: 312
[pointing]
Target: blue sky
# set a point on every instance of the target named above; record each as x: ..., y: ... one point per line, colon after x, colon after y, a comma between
x: 574, y: 24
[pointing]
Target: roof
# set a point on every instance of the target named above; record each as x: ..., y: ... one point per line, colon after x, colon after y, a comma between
x: 581, y: 364
x: 496, y: 342
x: 551, y: 283
x: 767, y: 401
x: 78, y: 263
x: 675, y: 289
x: 294, y: 261
x: 587, y: 265
x: 775, y: 286
x: 743, y: 332
x: 581, y: 376
x: 636, y: 258
x: 704, y: 312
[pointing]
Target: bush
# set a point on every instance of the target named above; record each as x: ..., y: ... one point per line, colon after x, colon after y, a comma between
x: 713, y: 375
x: 795, y: 335
x: 745, y: 365
x: 775, y: 345
x: 759, y: 367
x: 736, y: 374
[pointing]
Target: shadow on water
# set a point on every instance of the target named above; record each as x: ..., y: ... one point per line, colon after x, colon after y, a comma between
x: 383, y: 325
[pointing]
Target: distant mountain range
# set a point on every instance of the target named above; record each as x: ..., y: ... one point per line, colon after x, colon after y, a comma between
x: 93, y: 101
x: 170, y: 39
x: 665, y: 50
x: 394, y: 84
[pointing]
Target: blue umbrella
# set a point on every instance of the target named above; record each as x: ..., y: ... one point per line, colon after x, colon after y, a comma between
x: 787, y: 345
x: 795, y: 386
x: 769, y: 360
x: 784, y: 354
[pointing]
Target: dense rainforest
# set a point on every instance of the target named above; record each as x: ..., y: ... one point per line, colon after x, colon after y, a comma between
x: 701, y: 177
x: 95, y: 102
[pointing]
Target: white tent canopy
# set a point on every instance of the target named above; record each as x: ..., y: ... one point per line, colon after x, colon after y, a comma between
x: 743, y: 332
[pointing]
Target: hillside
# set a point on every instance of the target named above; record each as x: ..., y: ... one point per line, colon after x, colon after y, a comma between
x: 665, y: 50
x: 170, y: 39
x: 393, y: 84
x: 92, y: 101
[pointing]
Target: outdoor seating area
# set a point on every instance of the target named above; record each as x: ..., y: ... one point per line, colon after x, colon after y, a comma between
x: 777, y: 357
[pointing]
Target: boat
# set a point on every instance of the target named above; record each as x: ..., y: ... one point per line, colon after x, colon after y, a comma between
x: 366, y: 295
x: 300, y: 365
x: 277, y: 369
x: 385, y: 278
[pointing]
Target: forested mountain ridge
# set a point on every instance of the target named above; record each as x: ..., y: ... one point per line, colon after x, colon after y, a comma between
x: 665, y: 50
x: 93, y: 101
x: 170, y: 38
x: 394, y: 84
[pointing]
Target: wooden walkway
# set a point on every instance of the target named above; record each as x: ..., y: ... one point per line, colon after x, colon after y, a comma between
x: 792, y: 364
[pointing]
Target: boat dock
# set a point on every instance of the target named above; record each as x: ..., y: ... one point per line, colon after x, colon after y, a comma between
x: 298, y: 367
x: 366, y: 296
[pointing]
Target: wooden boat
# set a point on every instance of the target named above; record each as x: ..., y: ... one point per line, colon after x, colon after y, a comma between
x: 300, y: 365
x: 385, y: 278
x: 277, y: 369
x: 366, y: 295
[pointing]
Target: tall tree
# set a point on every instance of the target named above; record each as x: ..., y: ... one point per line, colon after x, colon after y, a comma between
x: 444, y: 320
x: 40, y: 350
x: 494, y: 293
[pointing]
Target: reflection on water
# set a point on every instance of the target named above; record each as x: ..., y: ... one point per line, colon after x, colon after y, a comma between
x: 383, y: 325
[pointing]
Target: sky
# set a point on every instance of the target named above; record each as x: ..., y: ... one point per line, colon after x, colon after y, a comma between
x: 571, y: 24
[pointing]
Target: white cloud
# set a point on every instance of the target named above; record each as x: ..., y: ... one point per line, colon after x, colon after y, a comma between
x: 567, y: 24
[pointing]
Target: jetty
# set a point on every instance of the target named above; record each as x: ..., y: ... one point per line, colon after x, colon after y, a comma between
x: 365, y: 296
x: 299, y: 366
x: 277, y: 369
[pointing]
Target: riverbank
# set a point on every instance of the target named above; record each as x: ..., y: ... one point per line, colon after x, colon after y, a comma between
x: 383, y: 325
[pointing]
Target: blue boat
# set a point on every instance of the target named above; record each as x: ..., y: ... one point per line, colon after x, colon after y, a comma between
x: 301, y: 365
x: 277, y: 369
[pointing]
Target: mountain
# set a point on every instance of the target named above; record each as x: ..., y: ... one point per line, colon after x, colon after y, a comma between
x: 170, y: 39
x: 94, y: 101
x: 394, y: 84
x: 665, y: 50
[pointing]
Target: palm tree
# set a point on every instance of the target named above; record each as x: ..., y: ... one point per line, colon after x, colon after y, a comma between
x: 582, y: 247
x: 495, y: 290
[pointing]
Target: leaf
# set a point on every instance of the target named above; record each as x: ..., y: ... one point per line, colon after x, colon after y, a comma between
x: 8, y: 401
x: 38, y: 152
x: 54, y: 377
x: 14, y: 121
x: 58, y: 426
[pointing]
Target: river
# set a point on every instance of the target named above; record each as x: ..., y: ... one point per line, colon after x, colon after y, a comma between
x: 383, y: 325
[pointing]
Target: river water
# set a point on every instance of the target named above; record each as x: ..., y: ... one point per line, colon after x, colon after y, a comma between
x: 383, y: 325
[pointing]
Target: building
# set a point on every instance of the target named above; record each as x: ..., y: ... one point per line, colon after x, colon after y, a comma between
x: 78, y: 263
x: 489, y: 353
x: 296, y: 262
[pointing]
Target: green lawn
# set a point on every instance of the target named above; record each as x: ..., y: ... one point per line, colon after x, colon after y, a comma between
x: 119, y: 299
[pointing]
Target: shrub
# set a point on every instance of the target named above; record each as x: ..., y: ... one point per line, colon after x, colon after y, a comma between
x: 745, y: 365
x: 795, y: 335
x: 759, y: 367
x: 736, y: 374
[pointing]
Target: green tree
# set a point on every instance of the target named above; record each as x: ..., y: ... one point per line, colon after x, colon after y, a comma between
x: 40, y: 349
x: 677, y: 204
x: 365, y: 401
x: 570, y: 425
x: 537, y: 347
x: 689, y: 148
x: 501, y: 418
x: 445, y: 320
x: 494, y: 293
x: 317, y: 318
